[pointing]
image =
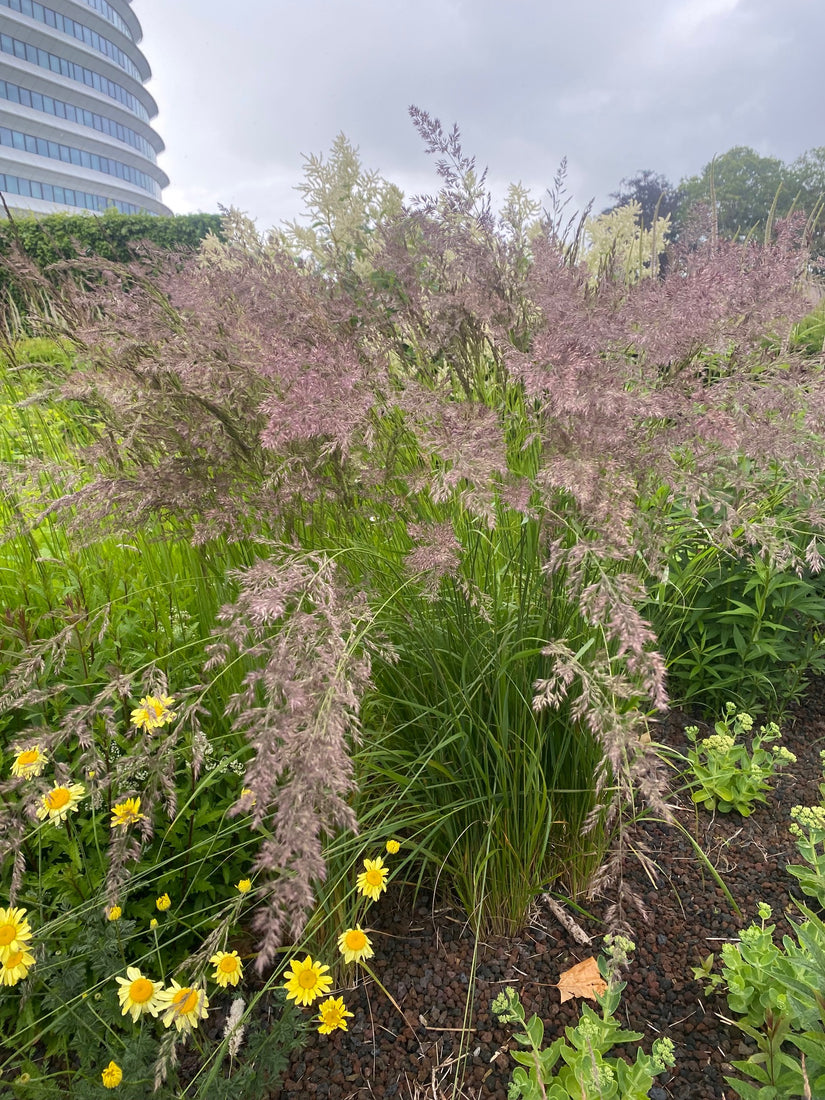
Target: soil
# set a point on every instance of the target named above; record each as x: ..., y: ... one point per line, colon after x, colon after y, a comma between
x: 424, y: 957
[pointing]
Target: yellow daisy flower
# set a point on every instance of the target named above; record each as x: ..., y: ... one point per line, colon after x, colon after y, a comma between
x: 60, y: 801
x: 163, y: 902
x: 16, y: 966
x: 183, y: 1006
x: 393, y: 847
x: 306, y: 981
x: 15, y: 930
x: 373, y: 879
x: 244, y: 886
x: 355, y: 945
x: 228, y: 968
x: 153, y: 923
x: 29, y: 763
x: 332, y: 1014
x: 115, y: 913
x: 153, y: 711
x: 112, y: 1076
x: 126, y: 813
x: 138, y: 995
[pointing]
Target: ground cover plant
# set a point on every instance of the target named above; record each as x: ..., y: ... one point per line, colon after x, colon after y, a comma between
x: 376, y: 513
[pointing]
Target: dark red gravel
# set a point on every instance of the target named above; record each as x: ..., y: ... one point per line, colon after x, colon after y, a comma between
x: 425, y: 959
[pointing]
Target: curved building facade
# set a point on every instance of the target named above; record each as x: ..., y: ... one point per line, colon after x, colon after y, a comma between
x: 75, y: 117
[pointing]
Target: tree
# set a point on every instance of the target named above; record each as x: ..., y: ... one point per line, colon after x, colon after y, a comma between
x: 651, y: 191
x: 745, y: 188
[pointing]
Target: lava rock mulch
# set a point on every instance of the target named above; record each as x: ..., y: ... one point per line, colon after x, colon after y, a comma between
x: 425, y: 960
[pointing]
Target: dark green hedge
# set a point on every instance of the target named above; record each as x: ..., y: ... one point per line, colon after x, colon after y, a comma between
x: 112, y: 236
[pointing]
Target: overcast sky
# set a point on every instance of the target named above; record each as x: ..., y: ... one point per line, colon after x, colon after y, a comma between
x: 246, y: 88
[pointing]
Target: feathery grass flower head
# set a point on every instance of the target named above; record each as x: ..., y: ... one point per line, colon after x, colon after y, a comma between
x: 60, y: 801
x: 112, y: 1075
x: 114, y: 913
x: 126, y: 813
x: 183, y: 1006
x: 307, y: 981
x: 15, y: 930
x: 244, y: 886
x: 228, y: 968
x: 373, y: 879
x: 153, y: 711
x: 354, y: 945
x: 393, y: 847
x: 332, y: 1013
x: 234, y: 1029
x: 16, y: 966
x: 163, y: 902
x: 29, y: 763
x: 138, y: 995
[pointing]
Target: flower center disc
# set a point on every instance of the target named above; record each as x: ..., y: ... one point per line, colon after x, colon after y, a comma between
x: 7, y: 934
x: 228, y: 964
x: 186, y: 1002
x: 58, y: 798
x: 374, y: 878
x: 306, y: 979
x: 141, y: 990
x: 356, y: 941
x: 28, y: 757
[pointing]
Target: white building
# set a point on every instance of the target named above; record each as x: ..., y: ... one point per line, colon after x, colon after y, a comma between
x: 75, y: 116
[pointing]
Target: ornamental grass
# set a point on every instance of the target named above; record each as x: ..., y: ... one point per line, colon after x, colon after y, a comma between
x: 314, y: 538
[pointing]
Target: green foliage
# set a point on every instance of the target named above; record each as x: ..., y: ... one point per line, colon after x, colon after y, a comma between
x: 725, y: 774
x: 737, y: 626
x: 585, y: 1069
x: 112, y: 235
x: 777, y: 994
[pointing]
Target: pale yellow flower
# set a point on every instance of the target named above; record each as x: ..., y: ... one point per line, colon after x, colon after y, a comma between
x: 153, y: 711
x: 16, y: 966
x: 228, y: 968
x: 15, y: 930
x: 354, y: 945
x: 163, y: 902
x: 153, y: 923
x: 306, y: 981
x: 60, y: 801
x: 184, y: 1006
x: 332, y: 1014
x: 244, y: 886
x: 373, y: 879
x: 29, y: 763
x: 112, y: 1075
x: 126, y: 813
x: 138, y: 995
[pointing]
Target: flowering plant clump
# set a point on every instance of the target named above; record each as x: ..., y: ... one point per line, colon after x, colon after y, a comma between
x: 308, y: 980
x: 725, y: 775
